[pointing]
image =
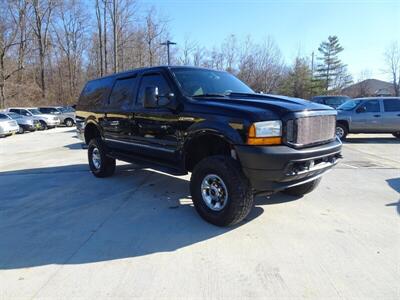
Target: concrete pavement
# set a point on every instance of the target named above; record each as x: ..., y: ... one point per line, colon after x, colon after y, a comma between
x: 66, y: 234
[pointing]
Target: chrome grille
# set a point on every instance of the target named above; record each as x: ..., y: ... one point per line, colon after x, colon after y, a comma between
x: 310, y: 130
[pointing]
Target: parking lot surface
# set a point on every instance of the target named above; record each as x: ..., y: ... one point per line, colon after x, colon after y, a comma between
x: 66, y: 234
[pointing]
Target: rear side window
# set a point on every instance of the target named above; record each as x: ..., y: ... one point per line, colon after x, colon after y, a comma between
x: 153, y: 80
x: 391, y: 104
x: 95, y: 92
x: 122, y: 92
x: 15, y: 110
x: 47, y: 110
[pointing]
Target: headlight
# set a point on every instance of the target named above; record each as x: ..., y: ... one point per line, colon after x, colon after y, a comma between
x: 265, y: 133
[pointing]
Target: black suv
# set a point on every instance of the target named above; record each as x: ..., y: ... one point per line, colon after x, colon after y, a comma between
x: 236, y: 143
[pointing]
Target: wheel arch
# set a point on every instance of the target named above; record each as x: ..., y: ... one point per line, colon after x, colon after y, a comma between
x: 92, y: 130
x: 206, y: 139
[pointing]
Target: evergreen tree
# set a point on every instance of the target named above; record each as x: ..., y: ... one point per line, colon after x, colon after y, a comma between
x: 330, y: 70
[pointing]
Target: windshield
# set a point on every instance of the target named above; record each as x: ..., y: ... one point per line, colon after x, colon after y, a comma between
x: 349, y: 105
x: 197, y: 82
x: 65, y: 109
x: 34, y: 111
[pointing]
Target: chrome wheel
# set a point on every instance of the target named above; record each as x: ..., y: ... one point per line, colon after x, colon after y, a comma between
x: 96, y: 158
x: 339, y: 132
x: 214, y: 192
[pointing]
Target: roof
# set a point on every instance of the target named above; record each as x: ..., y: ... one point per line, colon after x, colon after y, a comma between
x: 369, y: 87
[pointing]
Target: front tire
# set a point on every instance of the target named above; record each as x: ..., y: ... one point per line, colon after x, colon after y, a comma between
x: 341, y: 131
x: 69, y: 122
x: 100, y: 164
x: 302, y: 189
x: 221, y: 193
x: 43, y: 125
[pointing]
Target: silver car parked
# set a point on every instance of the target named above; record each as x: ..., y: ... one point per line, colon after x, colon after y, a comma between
x: 25, y: 123
x: 369, y: 115
x: 65, y: 113
x: 46, y: 120
x: 7, y: 125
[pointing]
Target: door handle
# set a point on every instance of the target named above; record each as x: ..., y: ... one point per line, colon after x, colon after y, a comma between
x: 377, y: 116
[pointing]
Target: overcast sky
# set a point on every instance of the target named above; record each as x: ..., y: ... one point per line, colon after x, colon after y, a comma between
x: 364, y: 28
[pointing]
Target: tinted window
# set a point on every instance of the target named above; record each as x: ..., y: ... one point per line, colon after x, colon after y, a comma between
x: 335, y: 101
x: 24, y: 112
x: 2, y: 116
x: 15, y: 110
x: 122, y: 92
x: 47, y: 110
x: 371, y: 106
x: 95, y: 92
x: 391, y: 104
x: 153, y: 80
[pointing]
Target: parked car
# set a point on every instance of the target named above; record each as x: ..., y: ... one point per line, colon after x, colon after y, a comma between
x: 25, y: 123
x: 235, y: 142
x: 66, y: 114
x: 7, y: 125
x: 46, y: 120
x: 332, y: 101
x: 369, y: 115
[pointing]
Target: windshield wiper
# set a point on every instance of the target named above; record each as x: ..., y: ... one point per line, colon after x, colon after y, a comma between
x: 209, y: 95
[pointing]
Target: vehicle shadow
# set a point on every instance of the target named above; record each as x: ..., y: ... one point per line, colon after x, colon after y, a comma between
x: 369, y: 140
x: 64, y: 215
x: 394, y: 183
x: 75, y: 146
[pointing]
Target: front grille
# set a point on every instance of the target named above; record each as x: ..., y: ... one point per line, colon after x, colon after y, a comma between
x: 312, y: 130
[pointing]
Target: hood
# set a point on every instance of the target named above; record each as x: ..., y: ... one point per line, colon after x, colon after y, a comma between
x: 46, y: 116
x: 263, y: 106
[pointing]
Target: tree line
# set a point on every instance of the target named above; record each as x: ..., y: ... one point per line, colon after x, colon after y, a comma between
x: 50, y: 48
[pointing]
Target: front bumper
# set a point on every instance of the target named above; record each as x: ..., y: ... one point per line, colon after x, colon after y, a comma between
x: 274, y: 168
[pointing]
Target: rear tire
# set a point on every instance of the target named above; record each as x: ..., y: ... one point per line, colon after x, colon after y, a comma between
x: 302, y: 189
x: 341, y: 131
x: 221, y: 179
x: 396, y: 135
x: 100, y: 164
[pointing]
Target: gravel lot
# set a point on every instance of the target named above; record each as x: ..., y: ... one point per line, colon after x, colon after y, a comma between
x: 65, y: 233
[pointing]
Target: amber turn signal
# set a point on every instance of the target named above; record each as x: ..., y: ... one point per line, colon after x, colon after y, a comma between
x: 264, y: 141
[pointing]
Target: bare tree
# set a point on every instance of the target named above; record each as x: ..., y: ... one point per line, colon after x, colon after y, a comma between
x: 154, y: 30
x: 69, y: 28
x: 100, y: 36
x: 42, y: 11
x: 392, y: 60
x: 9, y: 30
x: 188, y: 48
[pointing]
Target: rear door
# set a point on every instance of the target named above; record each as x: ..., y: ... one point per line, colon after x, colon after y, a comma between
x: 118, y: 122
x: 367, y: 117
x: 391, y: 114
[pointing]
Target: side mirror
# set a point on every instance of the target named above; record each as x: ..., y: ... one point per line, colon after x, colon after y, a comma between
x: 152, y: 99
x: 361, y: 109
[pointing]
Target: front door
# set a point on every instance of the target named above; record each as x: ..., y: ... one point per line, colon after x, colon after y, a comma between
x: 367, y: 117
x: 156, y: 131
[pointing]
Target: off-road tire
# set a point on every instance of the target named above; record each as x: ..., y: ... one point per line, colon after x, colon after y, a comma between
x: 240, y: 197
x: 345, y: 131
x: 107, y: 164
x: 302, y: 189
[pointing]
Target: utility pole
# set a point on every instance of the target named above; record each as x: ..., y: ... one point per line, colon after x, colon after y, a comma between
x: 168, y: 43
x: 115, y: 21
x: 312, y: 64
